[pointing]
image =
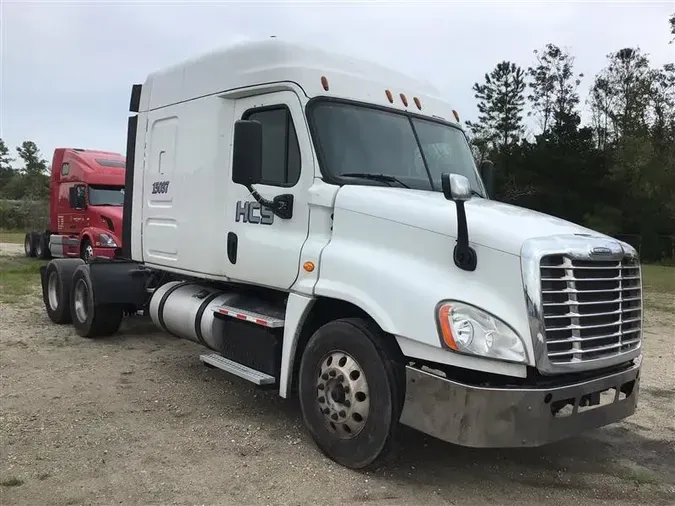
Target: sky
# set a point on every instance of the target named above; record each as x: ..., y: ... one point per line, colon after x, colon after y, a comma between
x: 67, y: 66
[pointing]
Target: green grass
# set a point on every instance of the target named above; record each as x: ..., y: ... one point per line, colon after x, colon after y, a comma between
x: 18, y: 277
x: 658, y: 278
x: 12, y: 236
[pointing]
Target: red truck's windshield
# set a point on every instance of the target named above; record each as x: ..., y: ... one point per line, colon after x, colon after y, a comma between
x: 106, y: 195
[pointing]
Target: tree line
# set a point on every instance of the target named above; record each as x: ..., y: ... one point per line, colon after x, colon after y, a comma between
x: 31, y: 181
x: 615, y: 172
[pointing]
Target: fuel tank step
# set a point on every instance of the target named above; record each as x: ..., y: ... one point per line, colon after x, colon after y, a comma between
x: 250, y: 316
x: 257, y: 377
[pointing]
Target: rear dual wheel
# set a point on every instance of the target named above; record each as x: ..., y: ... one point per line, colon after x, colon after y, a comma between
x: 57, y: 287
x: 30, y: 244
x: 69, y: 297
x: 36, y: 244
x: 91, y: 320
x: 351, y: 389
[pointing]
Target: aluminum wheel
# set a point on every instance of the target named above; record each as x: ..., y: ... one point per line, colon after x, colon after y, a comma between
x: 52, y: 290
x: 80, y: 300
x: 88, y: 252
x: 342, y: 394
x: 38, y: 249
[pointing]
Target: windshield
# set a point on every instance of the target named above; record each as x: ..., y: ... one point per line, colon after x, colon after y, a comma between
x: 359, y: 139
x: 106, y: 195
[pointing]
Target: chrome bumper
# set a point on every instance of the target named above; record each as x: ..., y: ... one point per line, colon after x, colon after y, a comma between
x: 511, y: 417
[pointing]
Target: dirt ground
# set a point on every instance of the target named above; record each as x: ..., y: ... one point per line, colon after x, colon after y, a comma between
x: 10, y: 249
x: 138, y: 419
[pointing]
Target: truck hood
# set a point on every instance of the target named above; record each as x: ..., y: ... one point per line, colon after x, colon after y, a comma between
x: 491, y: 224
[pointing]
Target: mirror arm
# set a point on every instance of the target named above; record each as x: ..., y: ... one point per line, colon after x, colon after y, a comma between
x: 281, y: 205
x: 464, y: 255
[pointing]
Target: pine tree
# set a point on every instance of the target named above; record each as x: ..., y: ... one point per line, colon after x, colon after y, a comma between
x: 500, y: 106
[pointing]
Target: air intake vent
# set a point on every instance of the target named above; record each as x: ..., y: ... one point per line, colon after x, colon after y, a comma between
x: 108, y: 223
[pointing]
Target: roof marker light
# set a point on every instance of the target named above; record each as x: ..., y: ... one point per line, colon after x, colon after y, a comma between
x: 417, y: 103
x: 404, y: 100
x: 389, y: 96
x: 454, y: 113
x: 324, y: 83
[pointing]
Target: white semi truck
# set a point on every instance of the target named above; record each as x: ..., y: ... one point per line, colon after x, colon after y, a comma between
x: 318, y: 222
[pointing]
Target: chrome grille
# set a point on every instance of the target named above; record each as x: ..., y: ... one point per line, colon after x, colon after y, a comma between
x: 592, y: 309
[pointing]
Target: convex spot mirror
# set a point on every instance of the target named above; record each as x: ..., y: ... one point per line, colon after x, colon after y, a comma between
x: 456, y: 187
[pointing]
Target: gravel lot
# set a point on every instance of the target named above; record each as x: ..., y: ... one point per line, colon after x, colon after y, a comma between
x: 10, y: 249
x: 137, y: 419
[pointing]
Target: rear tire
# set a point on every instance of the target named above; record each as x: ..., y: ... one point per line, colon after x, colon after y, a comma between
x: 42, y: 248
x: 29, y: 245
x: 89, y: 319
x: 351, y: 386
x: 56, y: 288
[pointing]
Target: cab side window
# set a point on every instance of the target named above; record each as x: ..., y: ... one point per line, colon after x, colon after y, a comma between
x: 281, y: 152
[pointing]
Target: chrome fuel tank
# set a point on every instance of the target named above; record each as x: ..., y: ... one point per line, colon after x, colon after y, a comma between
x: 186, y: 309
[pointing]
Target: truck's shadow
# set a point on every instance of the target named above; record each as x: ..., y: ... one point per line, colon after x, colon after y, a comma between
x: 616, y: 452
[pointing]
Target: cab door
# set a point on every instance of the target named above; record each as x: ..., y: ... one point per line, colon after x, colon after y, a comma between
x: 263, y: 248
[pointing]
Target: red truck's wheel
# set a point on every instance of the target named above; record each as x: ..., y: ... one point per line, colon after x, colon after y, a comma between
x: 42, y: 250
x: 29, y: 244
x: 87, y: 251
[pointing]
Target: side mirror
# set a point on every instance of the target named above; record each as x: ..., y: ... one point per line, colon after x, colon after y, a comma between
x: 247, y: 152
x: 455, y: 187
x: 487, y: 174
x: 458, y: 189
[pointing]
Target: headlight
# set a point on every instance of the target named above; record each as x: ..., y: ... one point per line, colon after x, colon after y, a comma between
x: 467, y: 329
x: 107, y: 240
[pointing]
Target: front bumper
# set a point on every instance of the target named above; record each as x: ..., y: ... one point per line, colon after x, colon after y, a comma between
x: 515, y: 417
x: 104, y: 252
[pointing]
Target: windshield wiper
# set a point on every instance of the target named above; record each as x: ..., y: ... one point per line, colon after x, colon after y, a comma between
x: 377, y: 177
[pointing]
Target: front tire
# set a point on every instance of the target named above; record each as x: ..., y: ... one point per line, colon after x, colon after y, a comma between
x: 87, y: 250
x: 351, y: 391
x: 90, y: 320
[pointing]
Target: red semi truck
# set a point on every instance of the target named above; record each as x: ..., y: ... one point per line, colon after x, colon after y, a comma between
x: 86, y: 193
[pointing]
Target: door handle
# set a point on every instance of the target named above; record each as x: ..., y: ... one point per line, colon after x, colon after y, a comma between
x: 232, y: 241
